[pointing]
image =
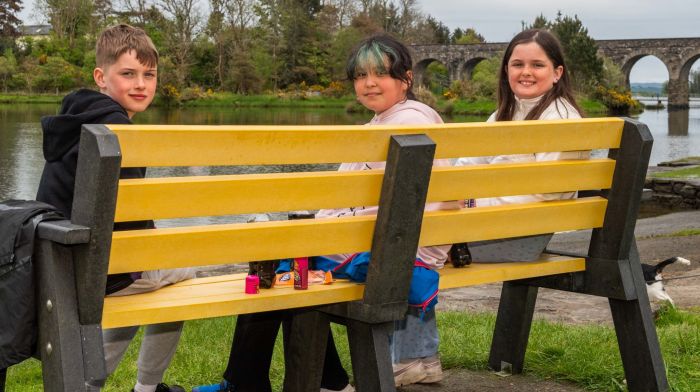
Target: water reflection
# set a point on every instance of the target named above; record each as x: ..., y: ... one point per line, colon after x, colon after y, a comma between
x: 678, y: 121
x: 676, y: 135
x: 21, y: 157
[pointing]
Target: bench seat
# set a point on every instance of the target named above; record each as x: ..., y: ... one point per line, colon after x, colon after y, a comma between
x: 223, y: 295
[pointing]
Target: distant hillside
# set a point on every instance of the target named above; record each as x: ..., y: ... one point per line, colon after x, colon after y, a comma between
x: 646, y: 88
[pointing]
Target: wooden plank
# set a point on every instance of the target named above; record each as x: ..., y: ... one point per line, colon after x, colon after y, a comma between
x: 164, y: 198
x: 188, y: 302
x: 450, y: 183
x: 482, y: 273
x: 182, y: 145
x: 515, y: 220
x: 223, y: 295
x: 234, y: 243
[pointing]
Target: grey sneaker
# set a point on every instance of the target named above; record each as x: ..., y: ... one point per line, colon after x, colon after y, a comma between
x: 433, y: 369
x: 409, y: 372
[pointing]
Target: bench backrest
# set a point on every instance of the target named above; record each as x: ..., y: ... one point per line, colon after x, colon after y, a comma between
x: 216, y: 195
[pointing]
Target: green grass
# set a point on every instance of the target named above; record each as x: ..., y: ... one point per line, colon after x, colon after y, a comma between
x: 481, y: 107
x: 30, y: 98
x: 586, y: 355
x: 685, y: 173
x: 684, y: 233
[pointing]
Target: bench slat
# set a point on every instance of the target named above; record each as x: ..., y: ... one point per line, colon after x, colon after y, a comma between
x: 219, y: 244
x: 179, y: 145
x: 164, y: 198
x: 223, y: 295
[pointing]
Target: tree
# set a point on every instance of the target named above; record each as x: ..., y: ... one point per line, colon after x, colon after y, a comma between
x: 440, y: 34
x: 215, y: 30
x: 694, y: 81
x: 612, y: 75
x: 9, y: 22
x: 57, y: 75
x: 184, y: 19
x: 70, y: 19
x: 8, y: 67
x: 540, y: 23
x: 580, y: 51
x: 468, y: 36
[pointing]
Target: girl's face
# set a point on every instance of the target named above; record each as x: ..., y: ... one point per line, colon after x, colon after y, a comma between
x: 530, y: 72
x: 378, y: 91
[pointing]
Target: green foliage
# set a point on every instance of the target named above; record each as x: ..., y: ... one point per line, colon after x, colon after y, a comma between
x: 618, y: 101
x: 483, y: 83
x: 8, y: 67
x: 580, y: 51
x: 612, y: 75
x: 57, y: 75
x: 468, y: 36
x: 485, y: 77
x: 436, y: 77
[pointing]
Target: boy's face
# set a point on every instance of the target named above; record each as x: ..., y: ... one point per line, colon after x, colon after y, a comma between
x: 127, y: 81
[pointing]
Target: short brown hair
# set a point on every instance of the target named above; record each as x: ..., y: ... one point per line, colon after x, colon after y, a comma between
x: 117, y: 40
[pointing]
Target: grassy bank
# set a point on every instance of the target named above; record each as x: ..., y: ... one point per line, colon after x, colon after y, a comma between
x: 30, y: 98
x: 586, y: 355
x: 688, y: 173
x: 460, y: 107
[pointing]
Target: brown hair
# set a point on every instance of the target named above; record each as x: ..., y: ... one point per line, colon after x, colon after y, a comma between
x: 117, y: 40
x: 561, y: 89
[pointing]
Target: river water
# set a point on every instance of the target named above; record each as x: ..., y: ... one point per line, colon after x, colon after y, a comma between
x: 676, y: 133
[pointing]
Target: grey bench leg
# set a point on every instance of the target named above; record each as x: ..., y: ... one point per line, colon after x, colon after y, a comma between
x: 371, y: 357
x: 512, y: 329
x: 639, y: 348
x: 305, y: 336
x: 636, y: 335
x: 60, y: 342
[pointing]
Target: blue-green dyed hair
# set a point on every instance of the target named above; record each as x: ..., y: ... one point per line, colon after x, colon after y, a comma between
x: 369, y: 55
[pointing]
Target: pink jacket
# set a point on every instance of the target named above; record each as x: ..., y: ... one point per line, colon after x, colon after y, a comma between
x: 407, y: 113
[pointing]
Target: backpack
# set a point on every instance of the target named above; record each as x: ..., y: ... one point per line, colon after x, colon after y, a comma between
x: 423, y: 293
x: 18, y: 324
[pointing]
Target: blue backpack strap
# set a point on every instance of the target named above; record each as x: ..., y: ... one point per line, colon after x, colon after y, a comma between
x: 423, y: 293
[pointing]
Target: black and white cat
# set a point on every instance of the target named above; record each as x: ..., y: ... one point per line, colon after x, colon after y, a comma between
x: 653, y: 275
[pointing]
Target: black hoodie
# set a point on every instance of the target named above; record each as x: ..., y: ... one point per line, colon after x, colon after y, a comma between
x: 61, y: 137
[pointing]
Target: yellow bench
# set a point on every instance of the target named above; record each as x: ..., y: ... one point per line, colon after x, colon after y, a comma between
x: 367, y: 309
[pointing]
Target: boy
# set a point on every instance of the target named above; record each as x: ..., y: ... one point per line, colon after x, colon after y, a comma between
x: 126, y: 75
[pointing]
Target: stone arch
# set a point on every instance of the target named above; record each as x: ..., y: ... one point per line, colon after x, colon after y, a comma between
x: 687, y: 64
x: 467, y: 68
x: 629, y: 62
x: 420, y: 69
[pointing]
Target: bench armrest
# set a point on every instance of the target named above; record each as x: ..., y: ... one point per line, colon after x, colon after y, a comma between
x: 63, y: 232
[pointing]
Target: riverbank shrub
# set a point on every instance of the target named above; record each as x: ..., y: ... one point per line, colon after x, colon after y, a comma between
x: 618, y: 101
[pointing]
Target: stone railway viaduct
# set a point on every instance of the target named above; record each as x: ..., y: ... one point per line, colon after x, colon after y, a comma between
x: 677, y: 54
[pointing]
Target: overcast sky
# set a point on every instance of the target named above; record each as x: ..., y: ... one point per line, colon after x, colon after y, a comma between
x: 500, y: 20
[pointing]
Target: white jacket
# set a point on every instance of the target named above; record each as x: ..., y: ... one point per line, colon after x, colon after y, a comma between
x: 408, y: 113
x: 559, y: 109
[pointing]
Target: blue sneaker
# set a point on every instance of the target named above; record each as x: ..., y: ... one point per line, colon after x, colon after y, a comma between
x: 224, y: 386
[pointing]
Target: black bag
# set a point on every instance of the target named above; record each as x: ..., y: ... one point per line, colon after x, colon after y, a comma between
x: 18, y: 324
